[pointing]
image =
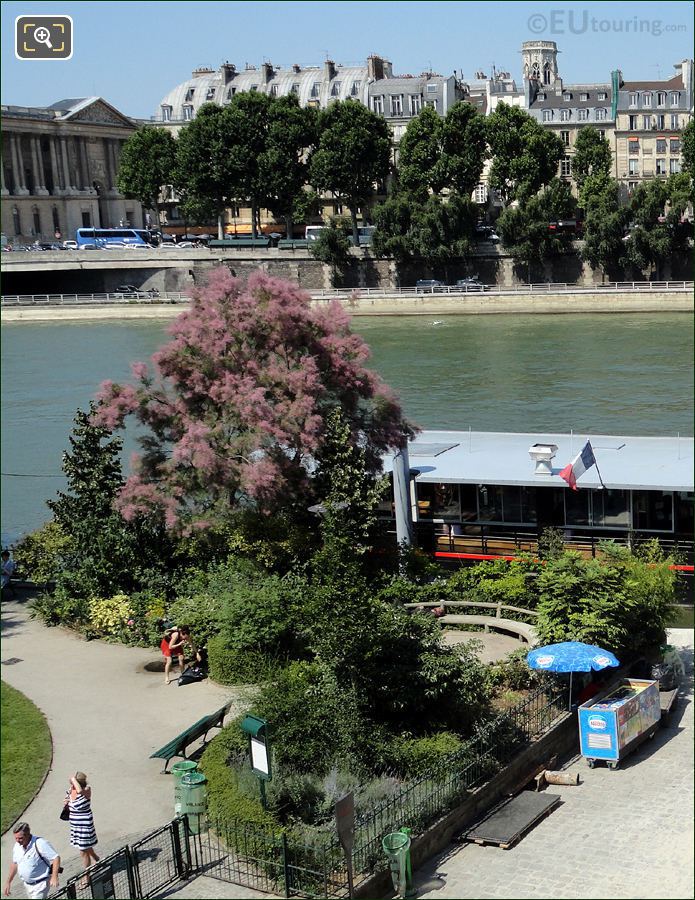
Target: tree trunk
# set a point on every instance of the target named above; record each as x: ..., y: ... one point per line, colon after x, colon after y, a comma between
x: 254, y: 213
x: 289, y: 227
x: 220, y: 229
x: 355, y: 232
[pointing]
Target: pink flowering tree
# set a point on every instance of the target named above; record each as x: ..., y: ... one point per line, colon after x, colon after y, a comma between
x: 235, y: 405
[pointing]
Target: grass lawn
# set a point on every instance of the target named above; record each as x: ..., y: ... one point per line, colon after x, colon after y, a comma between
x: 26, y: 753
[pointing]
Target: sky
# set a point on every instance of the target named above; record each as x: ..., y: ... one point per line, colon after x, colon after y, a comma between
x: 133, y: 52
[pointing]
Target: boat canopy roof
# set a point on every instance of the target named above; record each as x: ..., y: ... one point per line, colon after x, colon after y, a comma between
x: 488, y: 457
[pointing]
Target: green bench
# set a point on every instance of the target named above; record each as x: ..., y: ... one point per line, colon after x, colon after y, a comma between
x: 178, y: 745
x: 242, y: 243
x: 291, y: 244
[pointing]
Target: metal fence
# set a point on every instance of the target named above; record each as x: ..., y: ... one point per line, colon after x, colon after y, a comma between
x: 356, y: 294
x: 143, y: 869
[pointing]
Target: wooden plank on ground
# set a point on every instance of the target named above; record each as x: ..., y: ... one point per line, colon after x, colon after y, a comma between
x: 511, y: 819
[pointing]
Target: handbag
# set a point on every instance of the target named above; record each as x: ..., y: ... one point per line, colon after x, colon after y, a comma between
x: 65, y: 813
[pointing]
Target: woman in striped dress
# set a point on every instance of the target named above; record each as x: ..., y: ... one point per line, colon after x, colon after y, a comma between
x: 82, y: 833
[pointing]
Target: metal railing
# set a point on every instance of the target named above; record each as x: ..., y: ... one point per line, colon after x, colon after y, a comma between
x: 356, y: 294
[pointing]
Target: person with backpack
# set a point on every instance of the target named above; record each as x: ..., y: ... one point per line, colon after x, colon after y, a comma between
x: 173, y: 643
x: 35, y: 860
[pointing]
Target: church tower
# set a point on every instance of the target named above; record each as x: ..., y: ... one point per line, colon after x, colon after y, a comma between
x: 539, y: 60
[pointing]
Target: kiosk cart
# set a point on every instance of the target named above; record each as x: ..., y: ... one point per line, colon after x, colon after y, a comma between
x: 612, y: 726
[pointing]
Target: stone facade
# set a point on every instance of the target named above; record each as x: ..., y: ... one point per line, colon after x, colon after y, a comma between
x: 59, y: 169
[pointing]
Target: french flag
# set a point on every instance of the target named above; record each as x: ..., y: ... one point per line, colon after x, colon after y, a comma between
x: 584, y: 460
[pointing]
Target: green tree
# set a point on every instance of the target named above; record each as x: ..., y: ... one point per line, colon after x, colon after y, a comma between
x: 688, y: 149
x: 656, y: 209
x: 525, y: 156
x: 463, y: 148
x: 246, y: 125
x: 146, y: 166
x: 605, y: 219
x: 392, y: 219
x: 332, y: 247
x: 525, y: 231
x: 102, y: 553
x: 202, y: 169
x: 353, y: 154
x: 291, y: 131
x: 591, y: 162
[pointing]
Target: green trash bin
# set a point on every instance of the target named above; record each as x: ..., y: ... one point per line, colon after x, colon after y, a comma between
x: 397, y: 847
x: 194, y: 800
x: 178, y: 770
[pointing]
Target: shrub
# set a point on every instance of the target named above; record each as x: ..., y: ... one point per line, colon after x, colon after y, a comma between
x: 513, y: 672
x: 229, y: 665
x: 108, y: 617
x: 416, y: 755
x: 61, y: 607
x: 39, y: 554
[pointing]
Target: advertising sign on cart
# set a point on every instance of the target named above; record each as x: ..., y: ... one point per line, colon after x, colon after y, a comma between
x: 611, y: 726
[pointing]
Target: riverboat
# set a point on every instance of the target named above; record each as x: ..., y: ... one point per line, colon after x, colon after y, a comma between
x: 475, y: 495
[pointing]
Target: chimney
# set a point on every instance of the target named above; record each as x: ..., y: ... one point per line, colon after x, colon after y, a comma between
x: 296, y: 69
x: 375, y: 68
x: 228, y: 71
x: 268, y: 73
x: 329, y: 70
x: 542, y: 455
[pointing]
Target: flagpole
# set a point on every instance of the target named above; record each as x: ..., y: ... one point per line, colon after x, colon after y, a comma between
x: 598, y: 472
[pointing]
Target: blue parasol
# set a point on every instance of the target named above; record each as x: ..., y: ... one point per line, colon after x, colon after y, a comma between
x: 571, y: 656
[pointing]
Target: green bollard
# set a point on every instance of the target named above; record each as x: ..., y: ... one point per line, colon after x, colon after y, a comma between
x: 178, y: 770
x: 396, y: 846
x: 194, y: 800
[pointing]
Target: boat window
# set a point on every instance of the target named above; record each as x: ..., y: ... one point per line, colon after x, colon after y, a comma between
x: 685, y: 512
x: 445, y: 501
x: 577, y: 507
x: 652, y: 511
x: 490, y: 503
x: 611, y: 508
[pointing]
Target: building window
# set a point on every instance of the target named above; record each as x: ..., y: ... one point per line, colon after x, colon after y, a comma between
x: 253, y: 88
x: 231, y: 92
x: 56, y: 219
x: 602, y: 134
x: 601, y: 95
x: 661, y: 98
x: 210, y: 94
x: 582, y: 115
x: 565, y: 115
x: 433, y: 104
x: 661, y: 145
x: 415, y: 101
x: 187, y: 113
x: 646, y: 122
x: 566, y: 167
x: 541, y: 97
x: 567, y: 96
x: 675, y: 121
x: 565, y: 138
x: 273, y: 90
x: 355, y: 89
x: 674, y: 166
x: 189, y: 95
x: 675, y: 98
x: 86, y: 220
x: 601, y: 115
x: 378, y: 105
x: 633, y: 166
x: 36, y: 216
x: 611, y: 508
x: 396, y: 105
x: 316, y: 89
x: 675, y: 145
x: 633, y: 100
x: 660, y: 122
x: 646, y: 99
x: 335, y: 89
x: 631, y: 187
x: 295, y: 88
x: 633, y: 146
x: 166, y: 114
x: 660, y: 166
x: 431, y: 88
x: 480, y: 195
x: 16, y: 221
x: 583, y: 97
x: 652, y: 510
x: 633, y: 123
x: 547, y: 115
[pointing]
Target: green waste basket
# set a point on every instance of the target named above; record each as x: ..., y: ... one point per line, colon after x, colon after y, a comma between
x: 397, y: 847
x: 194, y: 800
x: 178, y: 770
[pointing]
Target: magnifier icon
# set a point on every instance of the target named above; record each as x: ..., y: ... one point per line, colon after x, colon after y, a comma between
x: 43, y: 36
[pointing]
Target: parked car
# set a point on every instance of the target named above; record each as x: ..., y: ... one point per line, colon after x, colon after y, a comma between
x: 470, y: 284
x: 130, y: 292
x: 429, y: 286
x: 70, y: 245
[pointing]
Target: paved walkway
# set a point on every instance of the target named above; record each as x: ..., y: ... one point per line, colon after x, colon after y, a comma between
x: 106, y: 716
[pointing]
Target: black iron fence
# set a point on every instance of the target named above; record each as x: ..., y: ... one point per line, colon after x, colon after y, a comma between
x: 143, y: 869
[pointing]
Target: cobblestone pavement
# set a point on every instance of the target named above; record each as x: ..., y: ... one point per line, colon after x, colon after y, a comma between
x: 626, y: 833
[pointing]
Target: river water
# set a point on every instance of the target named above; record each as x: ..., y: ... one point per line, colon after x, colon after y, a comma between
x: 616, y: 374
